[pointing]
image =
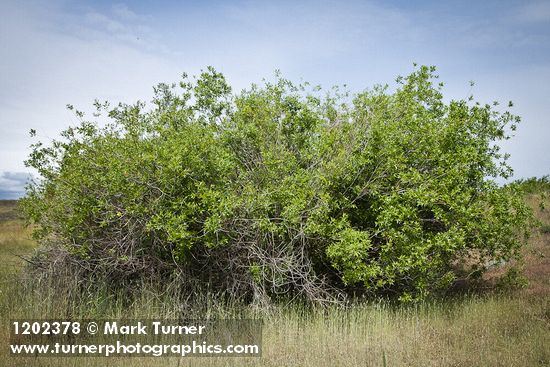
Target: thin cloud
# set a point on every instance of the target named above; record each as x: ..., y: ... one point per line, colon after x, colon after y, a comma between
x: 118, y: 24
x: 123, y: 12
x: 535, y: 12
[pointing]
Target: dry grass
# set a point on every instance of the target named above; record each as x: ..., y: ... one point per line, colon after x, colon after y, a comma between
x: 497, y: 329
x: 537, y: 254
x: 15, y: 239
x: 494, y: 331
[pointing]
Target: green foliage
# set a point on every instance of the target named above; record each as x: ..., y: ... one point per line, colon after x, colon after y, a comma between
x: 512, y: 279
x: 534, y: 185
x: 280, y: 189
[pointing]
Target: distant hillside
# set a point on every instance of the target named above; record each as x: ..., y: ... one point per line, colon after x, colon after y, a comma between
x: 8, y: 210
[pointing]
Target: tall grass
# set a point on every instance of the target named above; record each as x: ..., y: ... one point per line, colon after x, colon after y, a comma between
x: 498, y: 330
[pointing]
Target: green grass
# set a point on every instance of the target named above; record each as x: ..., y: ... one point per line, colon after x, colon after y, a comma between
x: 495, y: 329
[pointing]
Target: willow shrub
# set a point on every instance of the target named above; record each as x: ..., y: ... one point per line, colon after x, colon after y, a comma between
x: 281, y: 190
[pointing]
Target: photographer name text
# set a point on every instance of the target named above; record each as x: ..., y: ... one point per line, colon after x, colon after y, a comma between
x: 155, y: 328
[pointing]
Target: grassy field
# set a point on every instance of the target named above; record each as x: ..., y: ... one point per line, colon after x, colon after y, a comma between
x: 14, y: 239
x: 501, y: 326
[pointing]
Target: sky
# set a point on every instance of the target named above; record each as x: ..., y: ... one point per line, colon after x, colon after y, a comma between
x: 54, y: 53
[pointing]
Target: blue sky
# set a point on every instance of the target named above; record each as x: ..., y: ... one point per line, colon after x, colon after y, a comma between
x: 57, y: 52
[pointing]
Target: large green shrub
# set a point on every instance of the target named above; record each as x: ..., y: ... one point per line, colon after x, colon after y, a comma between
x: 279, y: 190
